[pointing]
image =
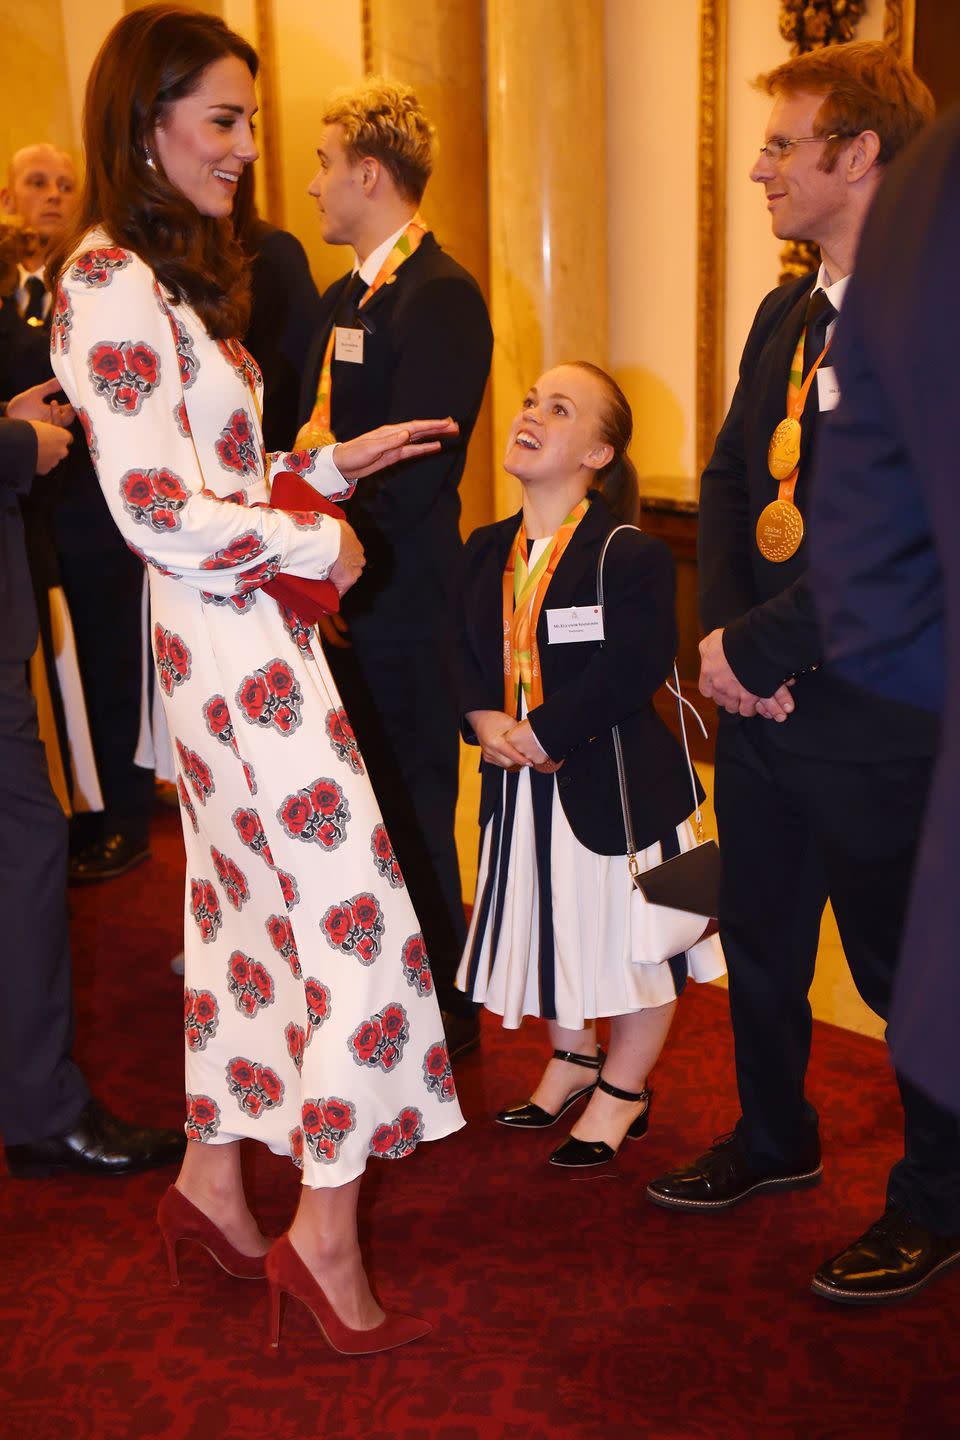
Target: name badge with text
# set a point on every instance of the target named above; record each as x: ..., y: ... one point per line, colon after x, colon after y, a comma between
x: 584, y: 622
x: 349, y: 345
x: 828, y: 390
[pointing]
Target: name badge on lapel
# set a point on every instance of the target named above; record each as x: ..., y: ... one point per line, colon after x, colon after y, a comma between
x: 348, y: 345
x: 579, y: 622
x: 828, y: 390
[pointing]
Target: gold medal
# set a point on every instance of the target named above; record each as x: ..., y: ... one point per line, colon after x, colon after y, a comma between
x: 313, y: 437
x: 779, y: 531
x: 783, y: 457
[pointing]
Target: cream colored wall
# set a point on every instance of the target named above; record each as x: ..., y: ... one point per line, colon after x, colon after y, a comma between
x: 651, y: 112
x: 35, y: 94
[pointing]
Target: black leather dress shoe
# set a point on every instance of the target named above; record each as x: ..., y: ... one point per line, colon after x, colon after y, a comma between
x: 107, y: 859
x: 98, y: 1144
x: 462, y: 1032
x: 722, y: 1177
x: 895, y: 1258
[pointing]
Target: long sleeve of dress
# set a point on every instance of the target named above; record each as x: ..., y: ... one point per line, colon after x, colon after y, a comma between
x: 127, y: 359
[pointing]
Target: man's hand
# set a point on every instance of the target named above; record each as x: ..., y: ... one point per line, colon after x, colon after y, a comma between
x: 490, y: 728
x: 348, y: 566
x: 334, y: 631
x: 389, y: 445
x: 717, y: 680
x: 53, y: 442
x: 35, y: 405
x: 778, y: 707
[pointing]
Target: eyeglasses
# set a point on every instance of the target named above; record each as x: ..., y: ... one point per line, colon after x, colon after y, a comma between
x: 776, y: 148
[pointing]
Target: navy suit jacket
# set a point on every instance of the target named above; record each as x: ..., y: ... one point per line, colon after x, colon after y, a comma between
x: 885, y: 561
x: 588, y: 687
x: 767, y: 611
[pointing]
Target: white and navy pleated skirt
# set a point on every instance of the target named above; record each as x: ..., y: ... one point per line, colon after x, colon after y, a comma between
x: 551, y: 934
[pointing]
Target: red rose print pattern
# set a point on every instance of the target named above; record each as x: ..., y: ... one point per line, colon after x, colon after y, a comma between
x: 255, y: 1087
x: 416, y: 966
x: 186, y: 355
x: 296, y: 1038
x: 344, y: 741
x: 89, y: 434
x: 250, y: 984
x: 187, y: 804
x: 437, y: 1072
x: 200, y: 1017
x: 242, y: 362
x: 318, y: 813
x: 231, y: 877
x: 356, y: 926
x: 240, y: 603
x: 271, y: 698
x: 296, y: 1147
x: 124, y: 373
x: 217, y: 720
x: 326, y: 1124
x: 304, y: 462
x: 249, y: 827
x: 183, y: 419
x: 97, y: 267
x: 384, y: 858
x: 289, y: 888
x: 280, y: 931
x: 399, y: 1139
x: 197, y: 771
x: 205, y: 909
x: 154, y: 564
x: 237, y: 448
x: 300, y: 634
x: 154, y: 498
x: 173, y: 659
x: 379, y: 1041
x: 61, y: 323
x: 317, y: 996
x: 203, y: 1117
x: 258, y: 575
x: 246, y: 547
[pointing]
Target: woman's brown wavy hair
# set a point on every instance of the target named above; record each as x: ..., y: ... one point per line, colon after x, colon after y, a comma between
x: 152, y: 58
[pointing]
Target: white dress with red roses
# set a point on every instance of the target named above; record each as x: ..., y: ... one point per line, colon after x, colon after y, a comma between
x: 310, y: 1015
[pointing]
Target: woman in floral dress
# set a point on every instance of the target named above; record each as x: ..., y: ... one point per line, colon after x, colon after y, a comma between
x: 310, y: 1018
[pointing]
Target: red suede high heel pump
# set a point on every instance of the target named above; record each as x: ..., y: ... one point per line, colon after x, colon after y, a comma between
x: 179, y: 1219
x: 288, y: 1275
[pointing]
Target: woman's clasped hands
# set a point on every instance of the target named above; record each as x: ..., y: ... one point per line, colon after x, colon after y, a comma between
x: 509, y: 743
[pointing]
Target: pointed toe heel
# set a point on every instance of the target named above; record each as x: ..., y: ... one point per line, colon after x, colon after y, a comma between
x: 529, y: 1116
x: 179, y: 1219
x: 574, y: 1154
x: 288, y: 1275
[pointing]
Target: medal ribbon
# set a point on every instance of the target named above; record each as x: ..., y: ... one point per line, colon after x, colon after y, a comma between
x: 797, y: 391
x: 523, y: 592
x: 317, y: 429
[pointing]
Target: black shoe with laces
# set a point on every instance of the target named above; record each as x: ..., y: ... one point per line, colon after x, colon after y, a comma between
x: 723, y: 1176
x: 895, y: 1258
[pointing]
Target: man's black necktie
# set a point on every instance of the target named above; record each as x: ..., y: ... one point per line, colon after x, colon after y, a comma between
x: 819, y: 315
x: 348, y: 304
x: 36, y: 298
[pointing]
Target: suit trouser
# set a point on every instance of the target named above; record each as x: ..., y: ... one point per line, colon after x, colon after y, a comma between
x: 396, y: 684
x: 42, y: 1092
x: 104, y: 589
x: 795, y: 830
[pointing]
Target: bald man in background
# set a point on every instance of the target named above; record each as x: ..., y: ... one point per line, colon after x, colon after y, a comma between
x: 74, y: 542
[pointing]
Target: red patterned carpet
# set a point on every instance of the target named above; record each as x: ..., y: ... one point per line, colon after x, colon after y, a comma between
x: 563, y: 1307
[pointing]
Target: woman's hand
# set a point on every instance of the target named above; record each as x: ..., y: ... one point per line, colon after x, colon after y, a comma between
x: 348, y: 566
x: 522, y: 739
x: 33, y: 405
x: 389, y: 445
x: 490, y: 728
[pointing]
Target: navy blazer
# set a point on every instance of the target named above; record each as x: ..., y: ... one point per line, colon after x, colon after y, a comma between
x: 771, y: 631
x: 426, y: 354
x: 18, y: 461
x: 885, y: 559
x: 588, y: 686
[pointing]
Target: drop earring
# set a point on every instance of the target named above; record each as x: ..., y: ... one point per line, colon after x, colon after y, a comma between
x: 151, y: 163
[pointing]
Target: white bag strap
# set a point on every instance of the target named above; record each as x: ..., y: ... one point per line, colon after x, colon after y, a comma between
x: 681, y: 700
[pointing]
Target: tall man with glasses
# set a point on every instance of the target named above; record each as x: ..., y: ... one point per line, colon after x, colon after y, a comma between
x: 820, y: 790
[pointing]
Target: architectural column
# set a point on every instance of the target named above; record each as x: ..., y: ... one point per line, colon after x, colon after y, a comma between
x: 437, y: 46
x: 548, y: 198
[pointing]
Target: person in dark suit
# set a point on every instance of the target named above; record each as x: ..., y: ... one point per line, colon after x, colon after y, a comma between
x: 74, y: 542
x: 883, y: 563
x: 820, y: 790
x: 557, y: 930
x: 48, y: 1120
x: 408, y: 328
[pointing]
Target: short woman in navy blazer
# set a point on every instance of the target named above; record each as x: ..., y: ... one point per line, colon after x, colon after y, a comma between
x: 551, y: 933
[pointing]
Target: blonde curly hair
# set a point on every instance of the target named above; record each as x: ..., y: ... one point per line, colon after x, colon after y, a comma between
x: 384, y: 118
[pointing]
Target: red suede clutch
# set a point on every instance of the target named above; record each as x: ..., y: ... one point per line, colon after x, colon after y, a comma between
x: 308, y: 599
